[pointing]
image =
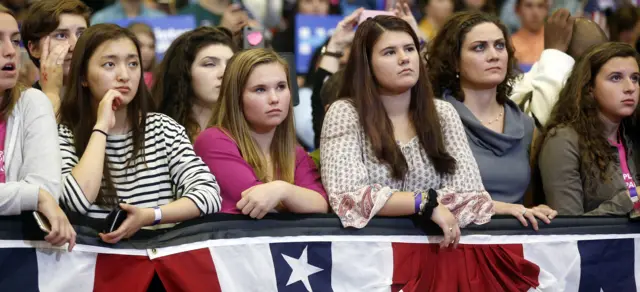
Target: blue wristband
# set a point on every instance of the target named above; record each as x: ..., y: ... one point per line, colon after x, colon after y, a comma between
x: 417, y: 196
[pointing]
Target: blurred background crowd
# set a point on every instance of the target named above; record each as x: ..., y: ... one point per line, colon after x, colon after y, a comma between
x: 303, y: 27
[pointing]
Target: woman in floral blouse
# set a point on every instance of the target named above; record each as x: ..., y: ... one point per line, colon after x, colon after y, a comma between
x: 389, y: 141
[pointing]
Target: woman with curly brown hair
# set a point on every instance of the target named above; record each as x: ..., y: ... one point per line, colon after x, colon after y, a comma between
x: 586, y: 160
x: 188, y: 78
x: 472, y: 65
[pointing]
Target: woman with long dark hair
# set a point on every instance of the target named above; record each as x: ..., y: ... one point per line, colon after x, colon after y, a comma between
x: 389, y: 148
x: 190, y: 75
x: 586, y: 158
x: 115, y: 153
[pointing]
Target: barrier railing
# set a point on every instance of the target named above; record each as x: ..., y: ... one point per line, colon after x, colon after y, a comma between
x: 285, y: 252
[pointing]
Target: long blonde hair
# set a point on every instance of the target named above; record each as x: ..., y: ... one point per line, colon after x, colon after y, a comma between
x: 228, y: 115
x: 10, y: 96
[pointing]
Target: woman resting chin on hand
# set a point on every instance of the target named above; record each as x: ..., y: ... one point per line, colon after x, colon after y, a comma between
x: 114, y: 148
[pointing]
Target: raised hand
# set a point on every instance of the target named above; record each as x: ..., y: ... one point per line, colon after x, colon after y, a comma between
x: 344, y: 32
x: 403, y: 11
x: 52, y: 71
x: 234, y: 18
x: 558, y: 30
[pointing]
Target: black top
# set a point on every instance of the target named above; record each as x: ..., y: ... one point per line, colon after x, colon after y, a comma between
x: 317, y: 108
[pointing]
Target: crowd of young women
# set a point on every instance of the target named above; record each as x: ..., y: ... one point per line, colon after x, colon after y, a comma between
x: 434, y: 136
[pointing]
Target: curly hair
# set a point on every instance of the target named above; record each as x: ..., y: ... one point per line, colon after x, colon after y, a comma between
x: 443, y: 55
x: 577, y: 108
x: 172, y: 90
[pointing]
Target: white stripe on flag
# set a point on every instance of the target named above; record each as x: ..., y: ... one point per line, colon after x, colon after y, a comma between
x: 636, y: 262
x: 361, y: 266
x: 60, y: 271
x: 559, y: 264
x: 246, y: 267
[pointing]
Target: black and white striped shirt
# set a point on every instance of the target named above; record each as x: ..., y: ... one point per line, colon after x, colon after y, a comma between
x: 170, y: 170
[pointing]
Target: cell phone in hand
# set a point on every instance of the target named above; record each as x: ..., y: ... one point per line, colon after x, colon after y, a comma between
x: 114, y: 219
x: 42, y: 221
x: 252, y: 38
x: 366, y: 14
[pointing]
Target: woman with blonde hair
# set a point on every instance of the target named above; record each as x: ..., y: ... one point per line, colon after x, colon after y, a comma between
x: 250, y: 145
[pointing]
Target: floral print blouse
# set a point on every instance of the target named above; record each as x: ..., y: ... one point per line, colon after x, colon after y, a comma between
x: 359, y: 185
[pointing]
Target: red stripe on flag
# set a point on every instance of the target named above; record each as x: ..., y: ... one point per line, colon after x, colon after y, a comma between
x: 410, y: 266
x: 469, y: 268
x: 122, y: 273
x: 188, y: 271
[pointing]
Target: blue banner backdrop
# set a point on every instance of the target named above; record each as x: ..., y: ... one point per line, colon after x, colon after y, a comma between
x: 166, y: 29
x: 310, y: 33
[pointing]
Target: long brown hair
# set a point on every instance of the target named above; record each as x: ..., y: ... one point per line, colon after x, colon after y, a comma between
x: 443, y: 55
x: 228, y: 115
x: 172, y: 89
x: 362, y: 89
x: 78, y: 107
x: 10, y: 96
x: 577, y: 108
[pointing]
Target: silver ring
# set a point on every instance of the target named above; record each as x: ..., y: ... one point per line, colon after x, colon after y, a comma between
x: 524, y: 211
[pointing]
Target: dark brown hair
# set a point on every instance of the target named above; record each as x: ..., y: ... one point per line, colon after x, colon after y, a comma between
x: 578, y: 109
x: 172, y: 88
x: 10, y: 96
x: 623, y: 19
x: 488, y: 7
x: 330, y: 90
x: 43, y: 17
x: 78, y: 107
x: 443, y: 55
x: 362, y: 90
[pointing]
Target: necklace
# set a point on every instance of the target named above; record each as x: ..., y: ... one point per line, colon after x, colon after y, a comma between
x: 494, y: 120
